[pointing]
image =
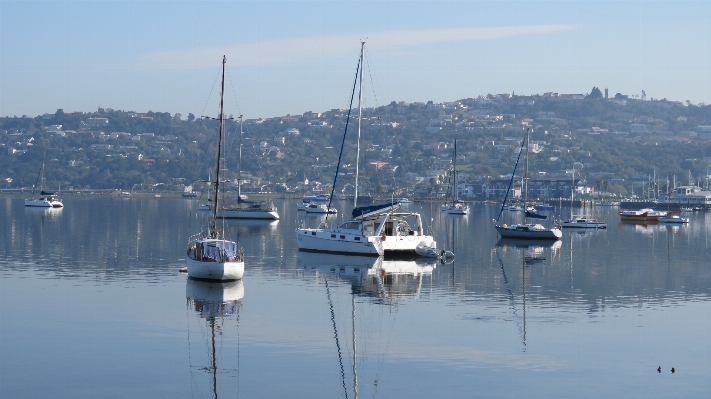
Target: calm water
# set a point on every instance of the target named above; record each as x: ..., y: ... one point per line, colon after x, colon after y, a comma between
x: 92, y: 305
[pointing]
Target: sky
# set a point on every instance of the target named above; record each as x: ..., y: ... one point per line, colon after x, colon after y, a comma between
x: 289, y: 57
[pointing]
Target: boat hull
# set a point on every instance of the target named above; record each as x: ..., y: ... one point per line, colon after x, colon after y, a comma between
x: 405, y: 244
x: 247, y: 214
x: 338, y: 242
x: 582, y: 225
x: 542, y: 234
x: 215, y: 271
x: 43, y: 203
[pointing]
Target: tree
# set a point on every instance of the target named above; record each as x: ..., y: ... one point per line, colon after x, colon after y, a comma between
x: 595, y: 94
x: 191, y: 117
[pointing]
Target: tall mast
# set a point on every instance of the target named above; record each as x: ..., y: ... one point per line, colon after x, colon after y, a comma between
x: 360, y: 116
x: 239, y: 174
x: 454, y: 170
x: 572, y: 194
x: 525, y: 177
x: 213, y: 227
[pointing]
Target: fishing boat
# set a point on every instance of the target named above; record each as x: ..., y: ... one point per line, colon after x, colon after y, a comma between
x: 373, y: 230
x: 456, y: 207
x: 46, y: 199
x: 211, y: 257
x: 524, y: 230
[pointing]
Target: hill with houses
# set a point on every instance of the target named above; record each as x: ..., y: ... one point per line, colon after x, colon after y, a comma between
x: 616, y: 145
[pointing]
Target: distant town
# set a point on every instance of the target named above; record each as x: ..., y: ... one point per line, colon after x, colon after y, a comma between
x: 596, y: 143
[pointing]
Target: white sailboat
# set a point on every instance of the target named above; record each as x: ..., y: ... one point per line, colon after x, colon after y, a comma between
x: 244, y: 209
x: 456, y: 207
x: 525, y: 230
x: 46, y: 199
x: 576, y: 221
x: 209, y: 256
x: 373, y: 230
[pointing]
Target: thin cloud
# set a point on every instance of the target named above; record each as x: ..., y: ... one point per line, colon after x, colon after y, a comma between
x: 296, y: 50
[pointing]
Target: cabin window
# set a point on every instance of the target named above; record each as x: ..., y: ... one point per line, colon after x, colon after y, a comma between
x: 343, y: 237
x: 313, y: 233
x: 356, y: 238
x: 333, y: 236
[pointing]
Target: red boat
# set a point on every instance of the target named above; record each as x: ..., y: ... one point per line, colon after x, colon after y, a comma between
x: 643, y: 215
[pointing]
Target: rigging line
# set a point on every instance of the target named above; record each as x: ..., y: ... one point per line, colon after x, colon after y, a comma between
x: 335, y: 335
x: 234, y: 93
x: 211, y: 90
x: 372, y: 84
x: 512, y: 178
x: 343, y: 141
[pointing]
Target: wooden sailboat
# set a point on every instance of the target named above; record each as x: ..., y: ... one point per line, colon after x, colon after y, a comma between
x: 209, y: 256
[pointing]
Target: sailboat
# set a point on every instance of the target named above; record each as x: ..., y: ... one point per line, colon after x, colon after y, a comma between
x: 372, y: 230
x: 456, y: 207
x: 580, y: 221
x: 46, y: 199
x: 524, y: 230
x: 245, y: 209
x: 209, y: 256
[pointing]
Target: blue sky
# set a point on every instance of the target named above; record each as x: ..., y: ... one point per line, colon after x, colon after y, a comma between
x: 288, y: 57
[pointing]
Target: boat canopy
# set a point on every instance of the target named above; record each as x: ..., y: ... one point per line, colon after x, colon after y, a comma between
x: 535, y: 215
x: 365, y: 211
x: 218, y: 250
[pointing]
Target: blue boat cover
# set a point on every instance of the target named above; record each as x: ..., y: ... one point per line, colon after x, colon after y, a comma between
x: 535, y: 215
x: 366, y: 210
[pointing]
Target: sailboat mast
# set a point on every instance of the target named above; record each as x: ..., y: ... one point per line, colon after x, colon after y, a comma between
x: 572, y: 194
x: 360, y: 117
x: 525, y: 177
x: 454, y: 170
x: 239, y: 174
x: 213, y: 227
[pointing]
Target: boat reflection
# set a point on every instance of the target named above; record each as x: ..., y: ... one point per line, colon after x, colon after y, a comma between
x: 639, y: 227
x: 44, y: 213
x: 371, y: 277
x: 533, y: 250
x: 215, y: 303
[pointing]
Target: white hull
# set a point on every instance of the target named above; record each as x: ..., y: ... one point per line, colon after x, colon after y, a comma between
x: 406, y: 244
x: 457, y: 211
x: 673, y: 219
x: 528, y: 231
x: 247, y: 214
x: 215, y: 271
x: 44, y: 203
x: 584, y: 225
x: 320, y: 209
x: 338, y: 242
